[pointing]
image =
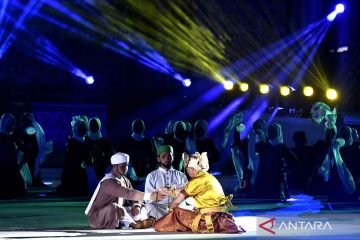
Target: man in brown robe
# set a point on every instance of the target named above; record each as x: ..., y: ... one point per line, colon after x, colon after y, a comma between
x: 114, y: 202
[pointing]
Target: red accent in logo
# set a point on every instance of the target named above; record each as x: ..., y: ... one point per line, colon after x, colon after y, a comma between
x: 272, y: 221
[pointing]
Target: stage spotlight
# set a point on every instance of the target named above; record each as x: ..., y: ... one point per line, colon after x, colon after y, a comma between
x: 264, y: 88
x: 228, y: 85
x: 308, y: 91
x: 90, y: 80
x: 186, y: 82
x: 244, y: 86
x: 340, y: 8
x: 284, y: 90
x: 331, y: 94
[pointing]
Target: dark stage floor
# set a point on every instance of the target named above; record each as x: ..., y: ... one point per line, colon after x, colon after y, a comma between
x: 43, y: 216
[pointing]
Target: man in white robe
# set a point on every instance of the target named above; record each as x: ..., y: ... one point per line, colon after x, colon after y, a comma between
x: 164, y: 177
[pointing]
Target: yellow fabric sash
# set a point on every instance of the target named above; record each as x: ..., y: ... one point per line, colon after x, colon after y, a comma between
x: 208, y: 220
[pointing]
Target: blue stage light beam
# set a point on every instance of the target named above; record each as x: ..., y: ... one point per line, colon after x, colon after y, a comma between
x: 135, y: 48
x: 278, y: 72
x: 245, y: 66
x: 310, y: 57
x: 56, y: 5
x: 273, y: 114
x: 278, y: 67
x: 261, y: 105
x: 185, y: 109
x: 296, y: 62
x: 299, y: 54
x: 30, y: 9
x: 4, y: 4
x: 224, y: 114
x: 194, y: 105
x: 276, y: 49
x: 45, y: 50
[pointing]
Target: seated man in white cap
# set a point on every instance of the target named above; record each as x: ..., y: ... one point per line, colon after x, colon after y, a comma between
x: 164, y: 177
x: 115, y: 203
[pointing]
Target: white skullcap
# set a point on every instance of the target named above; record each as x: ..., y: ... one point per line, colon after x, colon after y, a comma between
x: 119, y: 158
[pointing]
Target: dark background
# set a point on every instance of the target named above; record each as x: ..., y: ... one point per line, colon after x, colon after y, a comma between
x: 125, y: 89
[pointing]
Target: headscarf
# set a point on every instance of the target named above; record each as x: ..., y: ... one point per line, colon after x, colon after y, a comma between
x: 200, y: 129
x: 95, y: 128
x: 188, y: 127
x: 82, y: 118
x: 260, y: 125
x: 355, y: 135
x: 138, y: 126
x: 170, y: 127
x: 79, y: 130
x: 345, y: 133
x: 31, y: 126
x: 7, y: 123
x: 275, y: 134
x: 179, y: 130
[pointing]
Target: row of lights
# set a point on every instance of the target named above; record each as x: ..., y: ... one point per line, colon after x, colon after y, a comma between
x: 308, y: 91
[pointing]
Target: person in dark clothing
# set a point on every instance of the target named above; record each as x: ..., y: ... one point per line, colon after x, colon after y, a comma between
x: 273, y: 155
x: 341, y: 185
x: 356, y: 145
x: 316, y: 184
x: 340, y: 182
x: 203, y: 143
x: 163, y: 138
x: 355, y: 135
x: 239, y: 148
x: 11, y: 181
x: 306, y: 157
x: 256, y: 135
x: 74, y: 179
x: 350, y: 153
x: 178, y: 142
x: 101, y: 148
x: 139, y: 148
x: 32, y: 141
x: 28, y: 144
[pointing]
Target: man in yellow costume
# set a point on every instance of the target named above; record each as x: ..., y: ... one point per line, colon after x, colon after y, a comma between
x: 210, y: 215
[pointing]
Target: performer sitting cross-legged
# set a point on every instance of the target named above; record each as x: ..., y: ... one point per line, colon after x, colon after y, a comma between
x: 210, y: 215
x: 115, y: 204
x: 164, y: 177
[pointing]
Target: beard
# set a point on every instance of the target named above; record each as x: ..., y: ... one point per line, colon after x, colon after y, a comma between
x: 167, y: 165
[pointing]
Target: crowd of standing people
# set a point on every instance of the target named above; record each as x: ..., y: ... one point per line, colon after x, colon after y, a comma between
x: 172, y: 169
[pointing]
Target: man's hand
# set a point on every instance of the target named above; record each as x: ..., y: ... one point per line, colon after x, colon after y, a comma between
x: 135, y: 210
x: 164, y: 191
x: 157, y: 196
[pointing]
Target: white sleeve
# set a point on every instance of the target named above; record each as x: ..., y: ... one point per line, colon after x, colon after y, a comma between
x: 149, y: 188
x: 184, y: 180
x: 147, y: 196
